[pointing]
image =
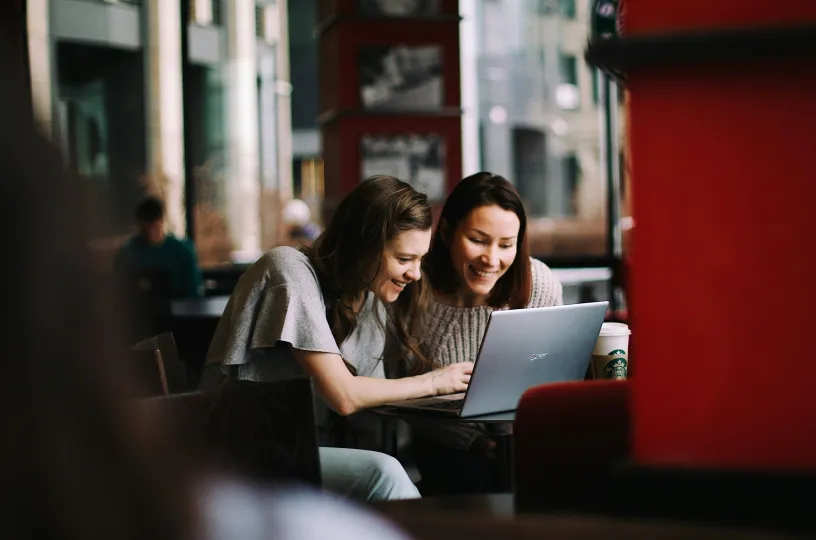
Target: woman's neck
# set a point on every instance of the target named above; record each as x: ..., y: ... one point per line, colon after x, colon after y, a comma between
x: 461, y: 299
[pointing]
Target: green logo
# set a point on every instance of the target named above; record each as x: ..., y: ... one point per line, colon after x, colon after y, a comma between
x: 615, y: 368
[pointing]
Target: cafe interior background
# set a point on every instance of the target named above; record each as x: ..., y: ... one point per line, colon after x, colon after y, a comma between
x: 230, y: 109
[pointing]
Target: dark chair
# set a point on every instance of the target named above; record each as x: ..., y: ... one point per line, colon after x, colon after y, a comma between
x: 193, y: 336
x: 568, y: 439
x: 148, y: 373
x: 263, y: 431
x: 171, y: 371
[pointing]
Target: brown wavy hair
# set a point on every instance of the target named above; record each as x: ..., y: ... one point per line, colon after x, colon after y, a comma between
x: 481, y: 189
x: 348, y: 255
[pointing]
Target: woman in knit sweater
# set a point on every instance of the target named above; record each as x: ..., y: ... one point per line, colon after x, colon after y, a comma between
x: 479, y: 261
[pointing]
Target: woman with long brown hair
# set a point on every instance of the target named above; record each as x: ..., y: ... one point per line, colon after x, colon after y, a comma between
x: 325, y: 312
x: 479, y: 261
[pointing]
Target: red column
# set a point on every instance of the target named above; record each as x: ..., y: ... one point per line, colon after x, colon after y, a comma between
x: 724, y: 196
x: 648, y: 16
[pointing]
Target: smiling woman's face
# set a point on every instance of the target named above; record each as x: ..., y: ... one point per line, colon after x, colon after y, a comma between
x: 482, y: 247
x: 400, y: 265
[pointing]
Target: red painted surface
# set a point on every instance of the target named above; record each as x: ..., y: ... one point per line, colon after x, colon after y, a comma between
x: 341, y: 139
x: 657, y: 16
x: 340, y: 46
x: 723, y: 299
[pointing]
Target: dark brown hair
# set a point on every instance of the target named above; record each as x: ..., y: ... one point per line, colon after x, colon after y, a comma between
x: 76, y: 460
x: 481, y: 189
x: 348, y: 255
x: 149, y: 210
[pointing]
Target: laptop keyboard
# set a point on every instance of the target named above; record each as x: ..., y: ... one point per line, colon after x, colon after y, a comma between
x: 446, y: 405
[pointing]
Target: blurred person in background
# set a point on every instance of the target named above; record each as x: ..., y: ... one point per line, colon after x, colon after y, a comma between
x: 79, y: 461
x: 298, y: 218
x: 153, y: 250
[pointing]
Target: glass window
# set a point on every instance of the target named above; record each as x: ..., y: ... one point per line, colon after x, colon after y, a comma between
x: 567, y: 8
x: 572, y: 173
x: 569, y: 69
x: 117, y: 110
x: 544, y: 7
x: 259, y: 21
x: 217, y: 17
x: 101, y: 112
x: 563, y: 8
x: 596, y: 90
x: 208, y: 147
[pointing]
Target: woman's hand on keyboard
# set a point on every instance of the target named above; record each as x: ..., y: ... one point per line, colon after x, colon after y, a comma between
x: 450, y: 379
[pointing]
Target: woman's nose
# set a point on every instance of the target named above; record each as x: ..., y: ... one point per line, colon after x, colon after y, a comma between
x: 490, y: 256
x: 415, y: 272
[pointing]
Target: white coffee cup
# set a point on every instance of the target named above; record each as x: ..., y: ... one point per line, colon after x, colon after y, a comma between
x: 610, y: 359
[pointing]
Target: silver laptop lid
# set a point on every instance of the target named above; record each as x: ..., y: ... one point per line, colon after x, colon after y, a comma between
x: 522, y: 348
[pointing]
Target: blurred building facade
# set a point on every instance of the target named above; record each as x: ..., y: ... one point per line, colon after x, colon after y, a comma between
x: 222, y: 112
x: 539, y: 117
x: 187, y: 99
x: 531, y: 111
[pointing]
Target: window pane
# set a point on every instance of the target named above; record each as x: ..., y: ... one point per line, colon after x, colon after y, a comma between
x: 567, y: 8
x: 207, y: 131
x: 100, y: 103
x: 569, y: 69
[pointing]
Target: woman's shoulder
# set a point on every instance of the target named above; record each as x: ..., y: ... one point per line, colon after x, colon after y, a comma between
x: 546, y: 289
x: 279, y: 267
x: 284, y: 257
x: 539, y: 269
x: 284, y: 265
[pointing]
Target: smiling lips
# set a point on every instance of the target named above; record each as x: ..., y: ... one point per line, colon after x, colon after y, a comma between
x: 400, y: 284
x: 482, y: 273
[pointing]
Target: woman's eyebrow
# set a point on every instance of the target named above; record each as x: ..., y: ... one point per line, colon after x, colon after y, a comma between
x: 488, y: 236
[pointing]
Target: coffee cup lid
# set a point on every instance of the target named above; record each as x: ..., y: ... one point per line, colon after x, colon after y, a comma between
x: 615, y: 329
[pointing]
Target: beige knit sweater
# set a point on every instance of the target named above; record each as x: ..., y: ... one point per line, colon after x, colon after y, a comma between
x: 453, y: 334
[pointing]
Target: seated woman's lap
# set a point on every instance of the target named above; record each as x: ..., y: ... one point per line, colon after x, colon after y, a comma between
x: 365, y: 475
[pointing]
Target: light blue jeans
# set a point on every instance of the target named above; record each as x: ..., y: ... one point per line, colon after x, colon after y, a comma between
x: 364, y: 475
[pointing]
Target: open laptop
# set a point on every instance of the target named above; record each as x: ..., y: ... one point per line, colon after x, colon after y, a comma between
x: 521, y: 348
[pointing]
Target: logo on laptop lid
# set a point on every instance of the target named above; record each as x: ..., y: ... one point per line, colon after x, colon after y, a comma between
x: 538, y: 356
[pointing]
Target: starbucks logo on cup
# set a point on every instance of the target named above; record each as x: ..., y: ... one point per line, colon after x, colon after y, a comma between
x: 616, y: 366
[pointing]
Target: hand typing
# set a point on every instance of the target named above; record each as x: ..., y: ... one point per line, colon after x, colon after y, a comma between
x: 451, y: 379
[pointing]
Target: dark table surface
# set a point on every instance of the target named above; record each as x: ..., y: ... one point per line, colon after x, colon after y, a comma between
x: 206, y: 307
x: 399, y: 412
x: 473, y: 517
x: 488, y: 504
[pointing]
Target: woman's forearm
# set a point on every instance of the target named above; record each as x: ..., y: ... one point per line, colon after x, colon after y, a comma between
x: 347, y: 394
x: 366, y: 392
